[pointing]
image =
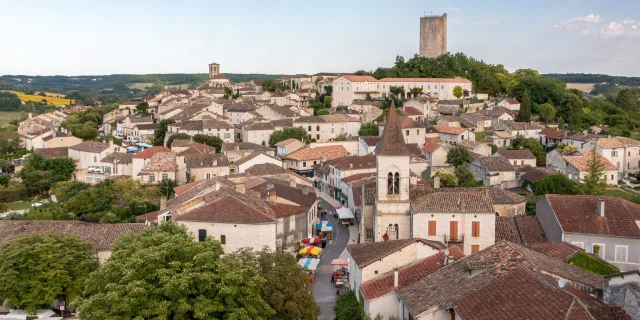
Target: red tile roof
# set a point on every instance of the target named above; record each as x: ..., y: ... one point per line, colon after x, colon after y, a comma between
x: 407, y: 275
x: 183, y: 188
x: 368, y: 252
x: 227, y: 209
x: 430, y: 147
x: 450, y: 130
x: 148, y: 153
x: 412, y: 111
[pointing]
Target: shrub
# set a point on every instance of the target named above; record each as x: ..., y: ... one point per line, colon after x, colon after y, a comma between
x: 590, y: 263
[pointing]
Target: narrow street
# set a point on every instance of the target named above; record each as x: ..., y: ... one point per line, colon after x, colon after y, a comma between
x: 324, y: 292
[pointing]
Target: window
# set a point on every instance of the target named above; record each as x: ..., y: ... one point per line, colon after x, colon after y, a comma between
x: 475, y: 228
x: 407, y: 132
x: 152, y: 178
x: 614, y: 153
x: 475, y: 248
x: 618, y: 165
x: 392, y: 231
x: 202, y: 234
x: 95, y: 159
x: 309, y: 128
x: 317, y: 128
x: 317, y: 136
x: 432, y: 228
x: 304, y: 164
x: 223, y: 239
x: 207, y: 176
x: 292, y: 223
x: 165, y: 176
x: 578, y: 244
x: 392, y: 183
x: 621, y: 253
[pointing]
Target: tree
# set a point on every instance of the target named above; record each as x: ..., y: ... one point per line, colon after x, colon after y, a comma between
x: 327, y: 102
x: 571, y: 110
x: 368, y: 97
x: 347, y: 307
x: 531, y: 144
x: 494, y: 148
x: 287, y: 289
x: 396, y: 92
x: 165, y: 188
x: 627, y: 99
x: 368, y: 130
x: 179, y: 136
x: 211, y: 141
x: 163, y: 273
x: 465, y: 177
x: 340, y: 137
x: 459, y: 156
x: 594, y: 182
x: 9, y: 101
x: 547, y: 111
x: 321, y: 112
x: 161, y: 131
x: 415, y: 91
x: 328, y: 90
x: 4, y: 180
x: 457, y: 92
x: 286, y: 133
x: 38, y: 173
x: 556, y: 184
x: 524, y: 115
x: 142, y: 109
x: 9, y: 142
x: 38, y: 269
x: 447, y: 179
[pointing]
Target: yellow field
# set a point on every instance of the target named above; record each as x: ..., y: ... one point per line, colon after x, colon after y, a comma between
x: 183, y: 86
x: 584, y: 87
x: 50, y: 100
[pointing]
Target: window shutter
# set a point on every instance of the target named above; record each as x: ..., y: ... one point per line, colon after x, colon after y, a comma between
x: 223, y: 239
x: 475, y: 248
x: 432, y: 228
x: 202, y: 234
x: 475, y: 229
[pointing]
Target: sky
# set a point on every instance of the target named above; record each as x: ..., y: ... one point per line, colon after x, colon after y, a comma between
x: 67, y: 37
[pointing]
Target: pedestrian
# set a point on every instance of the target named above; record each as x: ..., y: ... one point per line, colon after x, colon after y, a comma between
x: 332, y: 279
x: 331, y: 242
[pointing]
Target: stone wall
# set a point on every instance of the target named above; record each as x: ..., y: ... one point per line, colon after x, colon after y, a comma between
x: 433, y: 36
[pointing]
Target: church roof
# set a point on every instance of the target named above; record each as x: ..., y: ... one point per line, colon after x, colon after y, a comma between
x: 392, y: 143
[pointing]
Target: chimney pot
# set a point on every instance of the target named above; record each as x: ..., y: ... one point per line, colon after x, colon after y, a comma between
x: 163, y: 203
x: 600, y: 207
x: 350, y: 165
x: 395, y: 278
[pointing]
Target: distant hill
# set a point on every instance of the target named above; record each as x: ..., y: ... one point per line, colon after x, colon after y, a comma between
x: 602, y: 83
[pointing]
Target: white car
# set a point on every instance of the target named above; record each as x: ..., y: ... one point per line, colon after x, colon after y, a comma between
x: 36, y: 204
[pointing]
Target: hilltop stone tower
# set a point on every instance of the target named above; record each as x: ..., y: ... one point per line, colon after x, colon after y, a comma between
x: 433, y: 36
x: 214, y: 70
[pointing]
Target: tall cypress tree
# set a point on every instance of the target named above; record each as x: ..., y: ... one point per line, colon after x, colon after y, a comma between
x: 593, y: 182
x: 524, y: 115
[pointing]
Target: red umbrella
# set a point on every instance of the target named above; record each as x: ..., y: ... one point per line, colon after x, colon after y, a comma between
x: 311, y: 240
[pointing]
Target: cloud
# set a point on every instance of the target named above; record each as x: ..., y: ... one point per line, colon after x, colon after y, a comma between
x: 460, y: 21
x: 578, y: 22
x: 450, y: 8
x: 626, y: 29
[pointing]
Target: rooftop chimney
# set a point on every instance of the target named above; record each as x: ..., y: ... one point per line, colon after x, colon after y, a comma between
x: 292, y: 182
x: 163, y: 203
x: 350, y: 165
x: 395, y: 278
x: 600, y: 207
x: 272, y: 196
x: 436, y: 182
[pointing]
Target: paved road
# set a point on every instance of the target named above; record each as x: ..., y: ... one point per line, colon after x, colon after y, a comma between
x: 324, y: 292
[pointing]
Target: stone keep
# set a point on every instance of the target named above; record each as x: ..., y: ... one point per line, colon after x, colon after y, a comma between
x: 433, y: 36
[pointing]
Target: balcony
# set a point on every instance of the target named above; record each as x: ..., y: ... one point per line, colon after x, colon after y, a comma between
x: 453, y: 238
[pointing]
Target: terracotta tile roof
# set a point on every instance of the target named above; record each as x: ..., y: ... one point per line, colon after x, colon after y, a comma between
x: 525, y: 230
x: 450, y: 130
x: 284, y: 190
x: 205, y: 160
x: 430, y: 147
x: 215, y: 124
x: 148, y: 153
x: 339, y: 118
x: 260, y: 126
x: 584, y: 137
x: 577, y: 214
x: 371, y: 140
x: 268, y: 169
x: 101, y: 236
x: 183, y: 188
x: 392, y: 143
x: 537, y: 174
x: 354, y: 78
x: 90, y: 146
x: 140, y: 119
x: 220, y: 77
x: 471, y: 144
x: 617, y: 142
x: 495, y: 164
x: 310, y: 119
x: 229, y: 208
x: 366, y: 253
x: 512, y: 101
x: 609, y: 313
x: 285, y: 210
x: 520, y: 294
x: 581, y: 162
x: 358, y: 177
x: 503, y: 134
x: 556, y: 133
x: 453, y: 80
x: 497, y: 195
x: 451, y: 284
x: 407, y: 275
x: 519, y: 126
x: 286, y: 142
x: 161, y: 161
x: 53, y: 152
x: 412, y: 111
x: 516, y: 154
x: 323, y: 152
x: 506, y: 230
x: 251, y: 156
x: 559, y: 250
x: 244, y: 146
x: 354, y: 162
x: 460, y: 200
x: 118, y: 158
x: 282, y: 123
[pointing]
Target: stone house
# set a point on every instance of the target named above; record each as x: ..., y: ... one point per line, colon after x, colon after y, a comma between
x: 522, y: 129
x: 131, y: 121
x: 118, y: 164
x: 256, y: 157
x: 200, y: 166
x: 501, y: 139
x: 58, y: 139
x: 276, y: 112
x: 610, y: 223
x: 209, y: 127
x: 326, y: 128
x: 257, y: 132
x: 480, y: 148
x: 553, y: 136
x: 575, y: 165
x: 518, y: 157
x: 414, y: 114
x: 235, y: 151
x: 330, y: 174
x: 141, y: 159
x: 348, y: 88
x: 494, y: 171
x: 88, y: 156
x: 144, y: 132
x: 510, y: 103
x: 622, y: 152
x: 582, y: 140
x: 453, y: 135
x: 162, y: 166
x: 304, y: 160
x: 287, y: 146
x: 436, y: 154
x: 412, y: 131
x: 181, y: 145
x: 496, y: 115
x: 368, y: 110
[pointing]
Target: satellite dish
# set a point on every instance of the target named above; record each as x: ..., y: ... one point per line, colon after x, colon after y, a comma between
x: 446, y: 252
x: 561, y: 283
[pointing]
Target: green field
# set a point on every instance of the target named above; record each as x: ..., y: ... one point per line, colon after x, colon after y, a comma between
x: 7, y: 116
x: 139, y: 85
x: 635, y: 135
x: 624, y: 195
x: 19, y: 205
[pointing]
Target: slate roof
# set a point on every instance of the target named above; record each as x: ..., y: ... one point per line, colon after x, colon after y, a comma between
x: 516, y: 154
x: 367, y: 253
x: 90, y: 146
x: 407, y: 275
x: 577, y: 214
x: 53, y: 152
x: 499, y: 164
x: 392, y: 142
x: 451, y: 284
x: 119, y: 158
x: 101, y: 236
x: 193, y: 161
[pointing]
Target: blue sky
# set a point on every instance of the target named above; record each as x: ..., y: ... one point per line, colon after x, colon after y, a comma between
x: 69, y: 37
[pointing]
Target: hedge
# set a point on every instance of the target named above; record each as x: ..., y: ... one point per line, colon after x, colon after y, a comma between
x: 589, y: 263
